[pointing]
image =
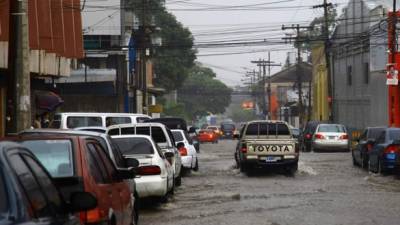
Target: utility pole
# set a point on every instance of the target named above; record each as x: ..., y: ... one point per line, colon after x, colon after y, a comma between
x: 20, y: 67
x: 263, y: 64
x: 394, y: 91
x: 299, y: 76
x: 326, y: 6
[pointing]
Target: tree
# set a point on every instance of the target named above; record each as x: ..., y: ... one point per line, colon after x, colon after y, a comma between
x: 176, y: 56
x: 238, y: 114
x: 202, y: 94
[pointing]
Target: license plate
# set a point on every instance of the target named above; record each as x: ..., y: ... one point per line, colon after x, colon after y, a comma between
x: 272, y: 159
x: 391, y: 156
x: 331, y: 137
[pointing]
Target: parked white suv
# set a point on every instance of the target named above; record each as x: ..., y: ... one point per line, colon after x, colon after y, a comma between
x: 156, y: 176
x: 160, y: 134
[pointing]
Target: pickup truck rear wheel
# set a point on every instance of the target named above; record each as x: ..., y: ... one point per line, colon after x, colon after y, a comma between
x: 243, y: 167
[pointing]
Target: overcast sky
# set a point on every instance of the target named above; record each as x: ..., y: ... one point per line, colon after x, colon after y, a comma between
x: 216, y: 22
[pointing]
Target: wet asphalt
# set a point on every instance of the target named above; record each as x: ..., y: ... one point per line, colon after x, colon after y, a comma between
x: 327, y: 189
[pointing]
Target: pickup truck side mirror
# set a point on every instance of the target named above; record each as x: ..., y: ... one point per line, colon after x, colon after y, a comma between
x: 81, y: 201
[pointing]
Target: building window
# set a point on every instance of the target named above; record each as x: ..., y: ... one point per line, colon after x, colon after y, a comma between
x: 366, y: 73
x: 349, y: 76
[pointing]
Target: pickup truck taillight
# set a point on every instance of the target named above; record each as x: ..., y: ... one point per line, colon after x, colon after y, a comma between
x: 243, y: 149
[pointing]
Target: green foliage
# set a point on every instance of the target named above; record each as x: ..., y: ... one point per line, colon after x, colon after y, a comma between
x: 202, y: 94
x: 175, y: 57
x: 174, y: 109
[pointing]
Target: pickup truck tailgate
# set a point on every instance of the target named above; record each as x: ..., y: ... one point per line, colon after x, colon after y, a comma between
x: 270, y: 147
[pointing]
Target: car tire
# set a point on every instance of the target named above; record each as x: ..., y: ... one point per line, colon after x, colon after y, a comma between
x: 373, y: 170
x: 196, y: 166
x: 135, y: 211
x: 178, y: 181
x: 354, y: 160
x: 243, y: 167
x: 364, y: 162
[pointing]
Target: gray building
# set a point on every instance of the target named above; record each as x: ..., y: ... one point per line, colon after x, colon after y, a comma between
x: 358, y: 59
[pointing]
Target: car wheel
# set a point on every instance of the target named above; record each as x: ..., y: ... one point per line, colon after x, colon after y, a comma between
x: 243, y: 167
x: 364, y: 161
x: 178, y: 180
x: 354, y: 160
x: 135, y: 211
x: 196, y: 166
x: 370, y: 167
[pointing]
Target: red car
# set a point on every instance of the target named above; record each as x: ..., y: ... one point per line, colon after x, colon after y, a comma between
x: 80, y: 163
x: 208, y: 135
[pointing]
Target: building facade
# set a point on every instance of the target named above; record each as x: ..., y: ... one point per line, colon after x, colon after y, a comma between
x: 359, y: 57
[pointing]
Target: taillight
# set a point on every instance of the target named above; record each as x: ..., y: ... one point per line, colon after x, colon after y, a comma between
x: 308, y: 136
x: 319, y: 136
x: 210, y: 135
x: 243, y: 149
x: 392, y: 149
x: 149, y: 170
x: 91, y: 216
x: 183, y: 151
x: 344, y: 137
x: 369, y: 147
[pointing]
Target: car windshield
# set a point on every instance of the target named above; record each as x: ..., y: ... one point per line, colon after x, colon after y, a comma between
x: 177, y: 136
x: 4, y: 197
x: 55, y: 155
x: 134, y: 145
x: 334, y: 128
x: 394, y: 135
x: 84, y: 121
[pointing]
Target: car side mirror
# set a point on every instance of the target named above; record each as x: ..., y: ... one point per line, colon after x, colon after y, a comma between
x: 180, y: 145
x: 126, y: 173
x: 81, y: 201
x: 132, y: 162
x: 371, y: 141
x: 169, y: 155
x: 192, y: 130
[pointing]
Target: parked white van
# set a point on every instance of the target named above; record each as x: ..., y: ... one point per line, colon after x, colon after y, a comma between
x: 72, y: 120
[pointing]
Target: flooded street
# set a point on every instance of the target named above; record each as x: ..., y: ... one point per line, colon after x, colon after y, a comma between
x: 327, y: 189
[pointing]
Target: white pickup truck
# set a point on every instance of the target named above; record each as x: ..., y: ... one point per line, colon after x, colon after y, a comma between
x: 267, y: 144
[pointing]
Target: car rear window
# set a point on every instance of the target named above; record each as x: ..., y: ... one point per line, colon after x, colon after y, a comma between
x: 84, y: 121
x: 331, y: 128
x: 113, y: 120
x: 134, y: 146
x: 3, y: 196
x: 55, y: 155
x: 228, y: 127
x: 267, y: 129
x: 156, y: 133
x: 394, y: 135
x: 177, y: 136
x: 375, y: 133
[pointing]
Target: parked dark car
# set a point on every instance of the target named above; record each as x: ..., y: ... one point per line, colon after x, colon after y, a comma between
x: 385, y: 153
x: 28, y: 195
x: 307, y: 135
x: 80, y: 163
x: 364, y: 145
x: 228, y: 130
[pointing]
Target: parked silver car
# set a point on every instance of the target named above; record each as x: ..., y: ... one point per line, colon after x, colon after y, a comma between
x: 330, y: 137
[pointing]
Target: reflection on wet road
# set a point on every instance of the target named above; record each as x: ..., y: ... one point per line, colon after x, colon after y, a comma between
x: 327, y: 189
